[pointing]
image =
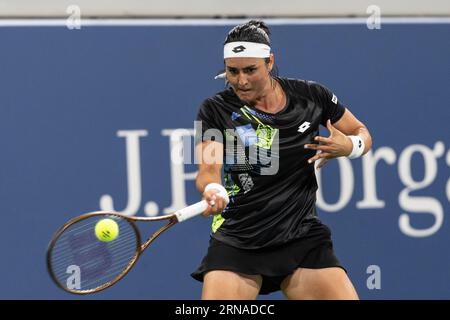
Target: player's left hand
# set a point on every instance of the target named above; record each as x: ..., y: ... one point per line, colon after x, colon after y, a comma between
x: 336, y: 145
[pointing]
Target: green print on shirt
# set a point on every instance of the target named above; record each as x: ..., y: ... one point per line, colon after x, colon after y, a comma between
x: 264, y: 132
x: 232, y: 189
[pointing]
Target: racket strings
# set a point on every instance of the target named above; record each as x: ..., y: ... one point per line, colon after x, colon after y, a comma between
x: 98, y: 263
x: 62, y: 258
x: 65, y: 248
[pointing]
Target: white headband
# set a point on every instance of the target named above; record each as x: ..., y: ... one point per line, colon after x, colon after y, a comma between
x: 246, y: 50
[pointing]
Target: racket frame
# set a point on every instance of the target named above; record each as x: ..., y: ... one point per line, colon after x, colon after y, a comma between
x: 172, y: 218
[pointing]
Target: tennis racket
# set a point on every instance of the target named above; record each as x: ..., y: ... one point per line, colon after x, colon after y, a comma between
x: 78, y: 260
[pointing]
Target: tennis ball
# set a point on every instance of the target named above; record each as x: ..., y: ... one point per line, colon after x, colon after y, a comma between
x: 106, y: 230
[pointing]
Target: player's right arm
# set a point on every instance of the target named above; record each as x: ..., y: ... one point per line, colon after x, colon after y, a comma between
x: 210, y: 158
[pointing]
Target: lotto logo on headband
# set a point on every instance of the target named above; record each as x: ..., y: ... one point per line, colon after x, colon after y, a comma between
x: 238, y: 49
x: 246, y: 50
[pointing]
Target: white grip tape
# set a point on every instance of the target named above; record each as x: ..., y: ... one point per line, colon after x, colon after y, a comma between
x: 358, y: 147
x: 197, y: 208
x: 191, y: 211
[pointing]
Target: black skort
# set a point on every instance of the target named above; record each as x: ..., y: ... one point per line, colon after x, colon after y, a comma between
x: 313, y: 250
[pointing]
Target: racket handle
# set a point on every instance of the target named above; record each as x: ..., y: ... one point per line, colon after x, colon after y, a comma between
x: 191, y: 211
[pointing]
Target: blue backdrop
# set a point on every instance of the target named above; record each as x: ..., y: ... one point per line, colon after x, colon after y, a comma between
x: 72, y: 101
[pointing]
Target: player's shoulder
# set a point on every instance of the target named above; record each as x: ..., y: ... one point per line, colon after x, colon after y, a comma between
x: 309, y: 89
x: 317, y: 86
x: 303, y: 85
x: 300, y: 87
x: 218, y: 100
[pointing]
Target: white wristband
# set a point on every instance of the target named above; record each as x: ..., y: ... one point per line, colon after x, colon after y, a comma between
x: 222, y: 191
x: 358, y: 147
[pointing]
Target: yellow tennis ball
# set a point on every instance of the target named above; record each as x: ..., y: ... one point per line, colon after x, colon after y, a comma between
x: 106, y: 230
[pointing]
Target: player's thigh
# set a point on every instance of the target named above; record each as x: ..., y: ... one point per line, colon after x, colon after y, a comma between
x: 326, y: 283
x: 221, y: 284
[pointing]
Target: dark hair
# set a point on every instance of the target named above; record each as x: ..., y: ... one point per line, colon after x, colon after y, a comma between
x: 253, y: 31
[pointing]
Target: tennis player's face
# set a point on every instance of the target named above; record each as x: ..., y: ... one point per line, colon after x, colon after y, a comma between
x: 249, y: 77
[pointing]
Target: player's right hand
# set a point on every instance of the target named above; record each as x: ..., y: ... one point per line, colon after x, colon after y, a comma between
x: 216, y: 203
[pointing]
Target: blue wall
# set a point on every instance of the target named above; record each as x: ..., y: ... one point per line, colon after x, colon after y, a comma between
x: 65, y: 94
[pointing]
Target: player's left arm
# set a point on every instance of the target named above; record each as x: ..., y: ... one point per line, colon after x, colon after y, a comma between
x: 339, y: 143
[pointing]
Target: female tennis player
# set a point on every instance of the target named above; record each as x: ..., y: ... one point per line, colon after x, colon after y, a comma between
x: 268, y: 237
